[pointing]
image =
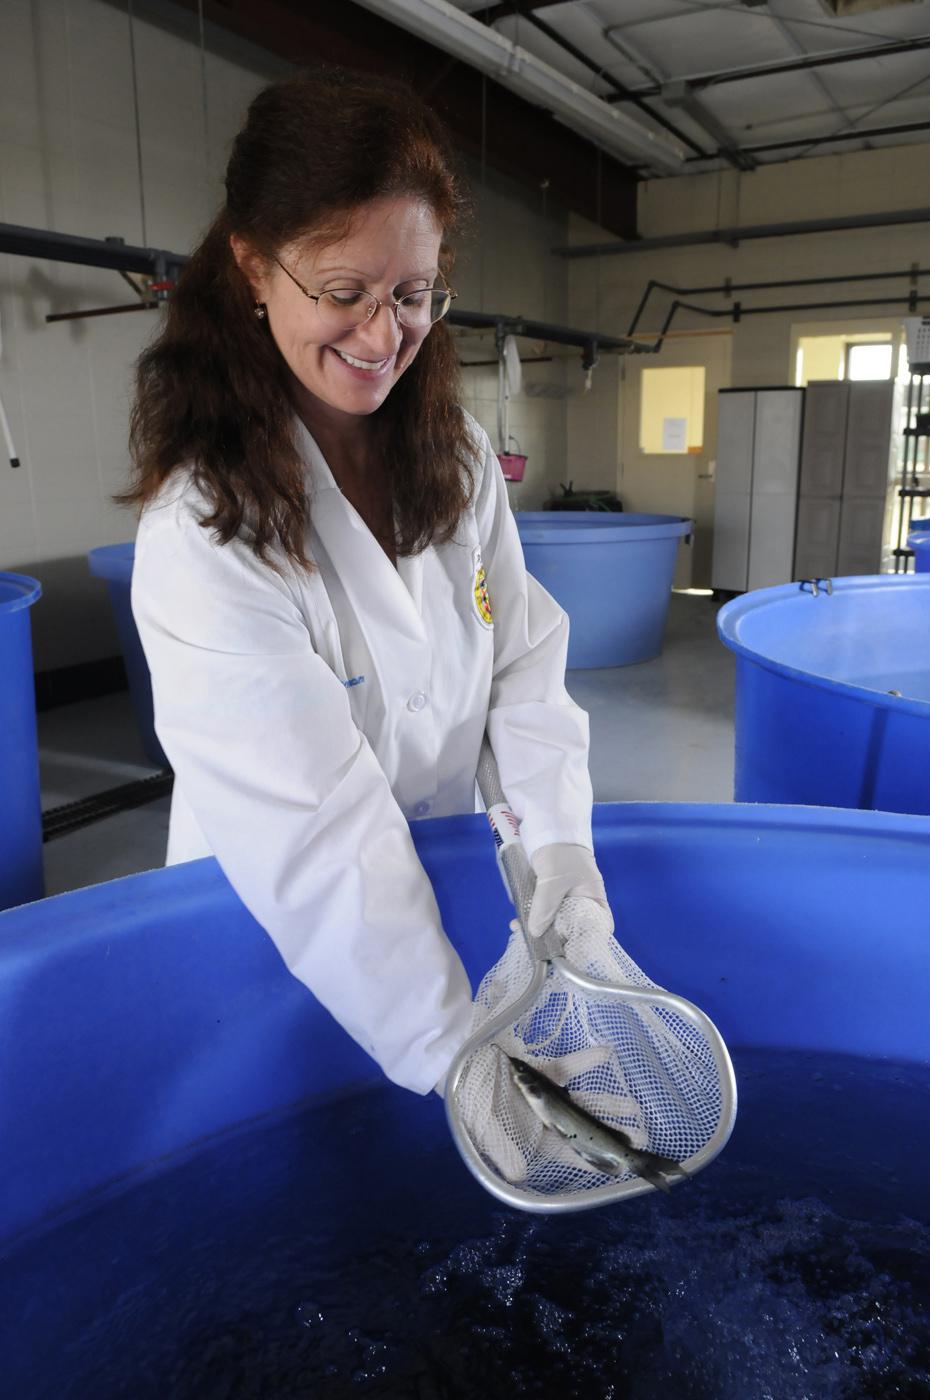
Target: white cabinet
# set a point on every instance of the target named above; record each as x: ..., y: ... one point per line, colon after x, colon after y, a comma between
x: 758, y: 445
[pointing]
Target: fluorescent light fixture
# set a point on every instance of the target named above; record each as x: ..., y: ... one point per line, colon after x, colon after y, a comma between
x: 520, y: 71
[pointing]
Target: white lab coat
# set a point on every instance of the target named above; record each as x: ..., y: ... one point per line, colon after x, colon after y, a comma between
x: 310, y: 715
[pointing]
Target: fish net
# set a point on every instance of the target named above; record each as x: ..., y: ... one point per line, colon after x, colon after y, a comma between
x: 645, y: 1065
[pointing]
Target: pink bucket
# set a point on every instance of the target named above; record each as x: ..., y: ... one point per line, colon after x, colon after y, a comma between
x: 514, y: 465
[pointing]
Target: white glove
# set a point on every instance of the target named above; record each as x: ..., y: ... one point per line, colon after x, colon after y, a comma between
x: 563, y: 873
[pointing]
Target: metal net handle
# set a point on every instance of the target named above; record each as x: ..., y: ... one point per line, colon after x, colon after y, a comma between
x: 521, y: 878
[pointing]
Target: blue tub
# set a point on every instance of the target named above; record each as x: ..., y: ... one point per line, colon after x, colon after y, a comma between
x: 145, y: 1015
x: 21, y: 877
x: 113, y: 562
x: 143, y: 1020
x: 817, y: 719
x: 919, y: 542
x: 611, y: 572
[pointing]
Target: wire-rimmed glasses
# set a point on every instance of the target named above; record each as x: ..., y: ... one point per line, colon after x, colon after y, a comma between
x: 344, y: 308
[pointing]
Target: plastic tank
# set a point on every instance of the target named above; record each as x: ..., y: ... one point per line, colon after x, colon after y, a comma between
x: 21, y: 877
x: 140, y: 1017
x: 113, y: 562
x: 611, y: 572
x: 919, y: 542
x: 833, y: 692
x: 148, y: 1024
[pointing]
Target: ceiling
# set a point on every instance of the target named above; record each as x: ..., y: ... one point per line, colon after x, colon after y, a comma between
x: 738, y: 83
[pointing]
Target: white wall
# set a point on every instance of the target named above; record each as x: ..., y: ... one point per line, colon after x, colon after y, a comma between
x: 69, y: 162
x: 759, y: 348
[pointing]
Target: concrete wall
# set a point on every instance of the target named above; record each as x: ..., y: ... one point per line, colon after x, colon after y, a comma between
x: 69, y: 162
x: 760, y: 349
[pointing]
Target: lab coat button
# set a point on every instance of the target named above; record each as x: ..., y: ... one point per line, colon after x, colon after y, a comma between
x: 421, y: 809
x: 416, y: 702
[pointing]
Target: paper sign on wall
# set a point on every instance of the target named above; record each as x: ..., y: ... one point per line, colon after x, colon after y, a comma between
x: 674, y: 434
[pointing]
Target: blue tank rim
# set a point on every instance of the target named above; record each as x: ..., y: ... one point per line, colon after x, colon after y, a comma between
x: 555, y: 527
x: 730, y: 614
x: 917, y: 539
x: 113, y: 561
x: 24, y: 590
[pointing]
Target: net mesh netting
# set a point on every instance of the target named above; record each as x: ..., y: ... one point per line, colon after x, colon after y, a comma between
x: 638, y: 1067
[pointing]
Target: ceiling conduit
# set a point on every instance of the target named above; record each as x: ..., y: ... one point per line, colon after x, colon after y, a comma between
x: 734, y: 236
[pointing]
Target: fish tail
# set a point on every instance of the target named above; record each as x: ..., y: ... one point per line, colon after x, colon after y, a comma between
x: 657, y: 1170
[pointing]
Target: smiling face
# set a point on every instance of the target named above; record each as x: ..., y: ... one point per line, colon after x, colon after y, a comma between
x: 391, y: 249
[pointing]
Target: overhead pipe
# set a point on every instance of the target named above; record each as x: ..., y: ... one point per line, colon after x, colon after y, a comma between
x: 736, y: 235
x: 727, y: 287
x: 89, y: 252
x: 114, y: 254
x: 737, y: 311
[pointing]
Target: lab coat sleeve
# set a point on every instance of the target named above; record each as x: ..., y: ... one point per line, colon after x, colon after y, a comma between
x: 291, y: 797
x: 538, y: 734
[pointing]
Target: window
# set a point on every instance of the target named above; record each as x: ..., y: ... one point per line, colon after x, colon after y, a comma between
x: 671, y: 413
x: 856, y: 355
x: 869, y: 360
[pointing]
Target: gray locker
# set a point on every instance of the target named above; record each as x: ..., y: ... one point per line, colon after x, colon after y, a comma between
x: 818, y: 531
x: 860, y: 540
x: 844, y: 464
x: 868, y: 439
x: 823, y: 443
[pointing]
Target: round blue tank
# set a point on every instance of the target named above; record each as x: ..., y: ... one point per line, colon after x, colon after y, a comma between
x: 611, y: 572
x: 833, y: 692
x: 919, y: 542
x: 113, y: 562
x: 147, y: 1022
x: 21, y: 877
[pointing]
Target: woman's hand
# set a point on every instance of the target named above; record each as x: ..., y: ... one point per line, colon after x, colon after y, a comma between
x: 565, y: 872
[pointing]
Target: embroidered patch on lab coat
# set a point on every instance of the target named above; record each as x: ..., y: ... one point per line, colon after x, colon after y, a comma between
x: 480, y: 592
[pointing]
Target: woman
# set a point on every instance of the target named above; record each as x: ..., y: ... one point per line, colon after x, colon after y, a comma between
x: 328, y: 581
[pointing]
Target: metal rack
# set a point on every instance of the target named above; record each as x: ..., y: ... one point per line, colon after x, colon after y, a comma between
x: 915, y: 473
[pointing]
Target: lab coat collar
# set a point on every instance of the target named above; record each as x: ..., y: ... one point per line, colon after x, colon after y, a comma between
x: 395, y: 596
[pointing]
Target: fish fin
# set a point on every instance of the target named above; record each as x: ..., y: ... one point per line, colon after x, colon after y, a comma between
x: 657, y: 1170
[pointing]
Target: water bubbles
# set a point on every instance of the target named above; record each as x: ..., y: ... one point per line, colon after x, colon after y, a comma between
x: 309, y: 1315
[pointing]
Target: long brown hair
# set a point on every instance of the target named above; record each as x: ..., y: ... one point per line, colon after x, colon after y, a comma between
x: 211, y: 390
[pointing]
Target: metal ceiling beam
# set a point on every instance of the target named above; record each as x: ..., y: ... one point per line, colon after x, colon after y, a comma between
x: 530, y: 77
x: 734, y: 236
x: 793, y: 65
x: 490, y: 14
x: 619, y: 93
x: 865, y: 134
x: 521, y: 140
x: 676, y: 93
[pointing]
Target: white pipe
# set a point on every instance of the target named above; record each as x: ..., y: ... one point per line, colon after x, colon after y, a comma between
x: 521, y: 72
x: 5, y: 425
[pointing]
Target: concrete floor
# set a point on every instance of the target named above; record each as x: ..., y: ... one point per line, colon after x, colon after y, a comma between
x: 661, y: 731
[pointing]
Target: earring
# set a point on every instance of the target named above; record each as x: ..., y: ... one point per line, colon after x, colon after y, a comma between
x: 260, y: 311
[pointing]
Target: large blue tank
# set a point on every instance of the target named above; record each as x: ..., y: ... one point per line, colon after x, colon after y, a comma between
x: 113, y: 562
x: 21, y: 876
x: 611, y: 572
x: 833, y: 692
x: 919, y: 542
x: 142, y: 1021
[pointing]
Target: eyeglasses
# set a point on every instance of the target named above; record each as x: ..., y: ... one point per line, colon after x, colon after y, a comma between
x: 344, y: 308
